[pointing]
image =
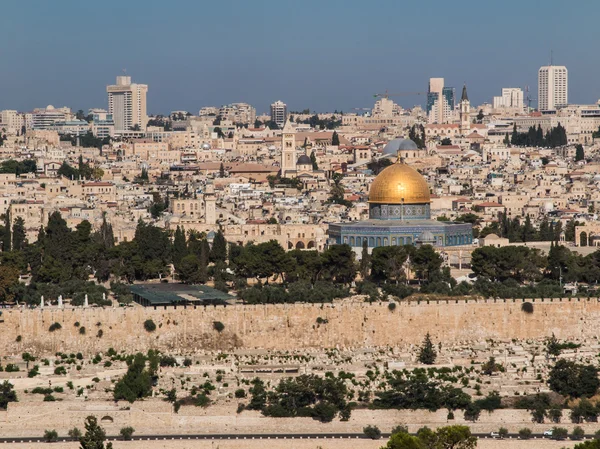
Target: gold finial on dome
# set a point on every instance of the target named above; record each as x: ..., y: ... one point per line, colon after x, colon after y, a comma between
x: 399, y: 184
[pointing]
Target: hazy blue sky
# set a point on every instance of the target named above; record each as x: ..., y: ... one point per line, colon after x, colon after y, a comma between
x: 322, y: 54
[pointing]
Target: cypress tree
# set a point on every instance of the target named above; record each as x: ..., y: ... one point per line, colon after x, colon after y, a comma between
x: 18, y: 234
x: 514, y: 140
x: 203, y: 261
x: 218, y: 252
x: 365, y: 260
x: 7, y: 243
x: 313, y: 159
x: 179, y: 246
x: 335, y: 139
x: 579, y: 155
x: 427, y: 353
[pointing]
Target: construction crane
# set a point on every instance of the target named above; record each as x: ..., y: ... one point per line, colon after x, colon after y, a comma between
x: 399, y: 94
x: 528, y: 98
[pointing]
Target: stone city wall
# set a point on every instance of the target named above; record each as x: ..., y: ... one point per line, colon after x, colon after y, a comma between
x: 293, y: 444
x: 293, y: 326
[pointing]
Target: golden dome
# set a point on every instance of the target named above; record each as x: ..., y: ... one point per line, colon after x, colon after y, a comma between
x: 399, y: 184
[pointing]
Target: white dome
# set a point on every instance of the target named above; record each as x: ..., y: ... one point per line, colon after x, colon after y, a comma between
x: 49, y: 107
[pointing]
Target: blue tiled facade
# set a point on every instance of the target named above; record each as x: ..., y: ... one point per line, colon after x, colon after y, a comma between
x: 391, y: 232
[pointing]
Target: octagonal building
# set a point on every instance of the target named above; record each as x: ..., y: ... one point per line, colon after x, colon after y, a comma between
x: 399, y: 214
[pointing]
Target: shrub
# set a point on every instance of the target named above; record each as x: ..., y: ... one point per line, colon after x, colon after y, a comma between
x: 559, y: 433
x: 41, y: 390
x: 76, y: 324
x: 60, y: 371
x: 240, y: 408
x: 149, y: 326
x: 578, y: 433
x: 34, y: 371
x: 218, y: 326
x: 11, y: 368
x: 187, y: 362
x: 240, y: 393
x: 19, y: 338
x: 167, y: 360
x: 82, y: 330
x: 74, y: 433
x: 100, y: 333
x: 49, y: 398
x: 525, y: 433
x: 54, y: 327
x: 400, y: 429
x: 127, y: 433
x: 392, y: 306
x: 202, y: 400
x: 372, y: 432
x: 503, y: 432
x: 322, y: 320
x: 527, y: 307
x: 50, y: 436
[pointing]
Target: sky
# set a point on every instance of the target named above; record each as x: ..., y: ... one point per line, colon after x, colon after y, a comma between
x: 317, y: 54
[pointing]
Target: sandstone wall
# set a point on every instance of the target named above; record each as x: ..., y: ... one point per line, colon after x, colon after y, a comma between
x: 292, y: 444
x: 294, y: 326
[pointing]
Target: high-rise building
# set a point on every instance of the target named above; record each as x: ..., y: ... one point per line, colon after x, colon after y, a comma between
x: 512, y: 98
x: 127, y: 104
x: 242, y: 113
x: 440, y: 101
x: 553, y: 87
x: 279, y: 113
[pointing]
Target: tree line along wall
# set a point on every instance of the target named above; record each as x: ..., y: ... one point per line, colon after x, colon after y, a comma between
x: 293, y: 326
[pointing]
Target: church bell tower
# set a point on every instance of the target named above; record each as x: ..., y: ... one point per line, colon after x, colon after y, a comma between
x: 288, y: 150
x: 465, y: 108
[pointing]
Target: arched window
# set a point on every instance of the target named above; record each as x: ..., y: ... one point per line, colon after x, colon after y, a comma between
x: 351, y: 241
x: 371, y: 241
x: 378, y: 241
x: 385, y: 241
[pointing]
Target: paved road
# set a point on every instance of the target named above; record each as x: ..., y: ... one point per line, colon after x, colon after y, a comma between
x: 262, y: 436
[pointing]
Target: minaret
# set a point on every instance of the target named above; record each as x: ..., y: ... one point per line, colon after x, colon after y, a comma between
x: 210, y: 207
x: 465, y: 108
x: 288, y: 149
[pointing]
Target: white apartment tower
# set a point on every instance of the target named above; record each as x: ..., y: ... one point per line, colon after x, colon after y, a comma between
x: 279, y: 113
x: 512, y: 98
x: 127, y: 104
x: 553, y: 87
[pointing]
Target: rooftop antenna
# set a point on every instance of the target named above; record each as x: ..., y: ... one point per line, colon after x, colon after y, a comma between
x: 124, y: 71
x: 551, y: 57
